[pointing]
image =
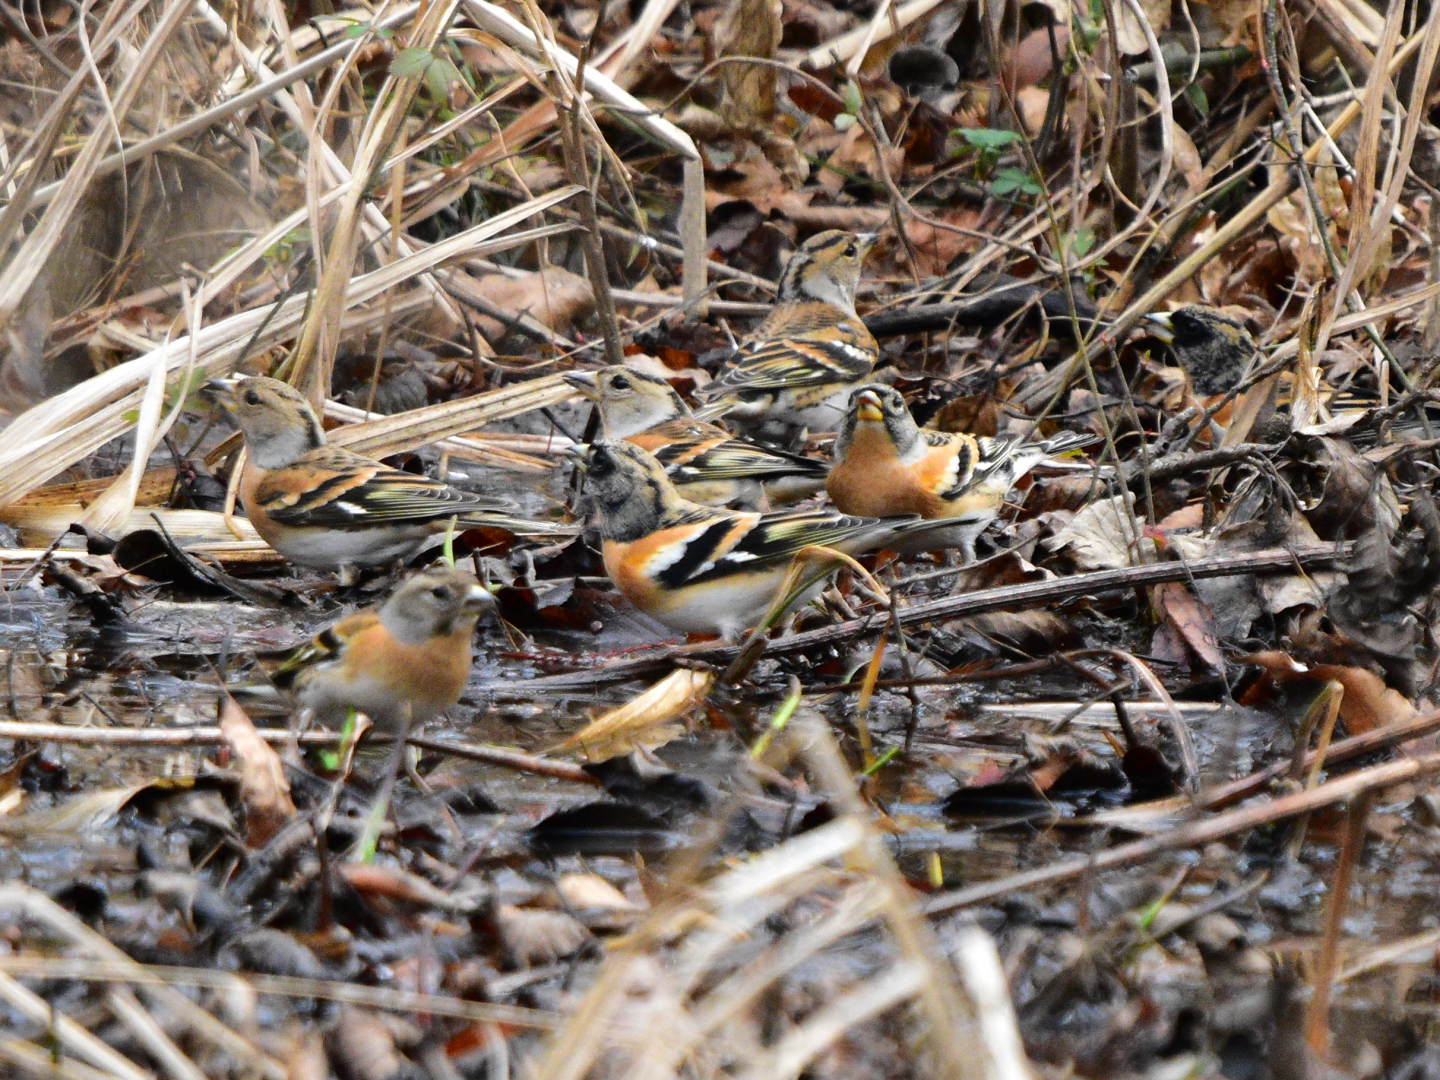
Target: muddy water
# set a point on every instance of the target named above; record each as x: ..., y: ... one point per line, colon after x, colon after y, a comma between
x: 161, y: 668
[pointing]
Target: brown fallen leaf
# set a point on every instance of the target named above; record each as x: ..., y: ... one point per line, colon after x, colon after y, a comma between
x: 375, y: 881
x: 553, y: 296
x: 645, y: 720
x: 1367, y: 704
x: 264, y: 791
x: 535, y: 937
x: 1188, y: 616
x: 750, y: 28
x: 362, y: 1044
x: 305, y: 1058
x: 582, y: 891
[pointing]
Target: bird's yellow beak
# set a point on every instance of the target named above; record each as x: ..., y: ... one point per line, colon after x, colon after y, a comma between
x: 1161, y: 327
x: 585, y: 382
x: 220, y: 391
x: 867, y: 407
x: 477, y: 599
x: 579, y: 455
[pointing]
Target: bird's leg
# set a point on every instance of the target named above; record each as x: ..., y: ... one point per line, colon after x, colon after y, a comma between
x: 411, y: 760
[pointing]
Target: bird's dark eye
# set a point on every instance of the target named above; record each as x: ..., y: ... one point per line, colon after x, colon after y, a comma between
x: 439, y: 592
x: 849, y: 251
x: 620, y: 382
x: 252, y: 397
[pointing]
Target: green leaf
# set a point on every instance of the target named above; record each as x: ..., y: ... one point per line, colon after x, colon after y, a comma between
x: 852, y: 97
x: 880, y: 762
x: 844, y: 121
x: 1196, y: 96
x: 1082, y: 241
x: 411, y: 63
x: 987, y: 138
x: 354, y: 30
x: 1009, y: 180
x: 439, y: 76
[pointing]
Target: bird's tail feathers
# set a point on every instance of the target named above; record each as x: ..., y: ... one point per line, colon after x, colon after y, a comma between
x: 714, y: 410
x: 519, y: 527
x: 1066, y: 441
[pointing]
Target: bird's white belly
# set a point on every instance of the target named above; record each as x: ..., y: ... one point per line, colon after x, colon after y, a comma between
x: 331, y: 702
x: 374, y: 546
x: 822, y: 415
x: 701, y: 612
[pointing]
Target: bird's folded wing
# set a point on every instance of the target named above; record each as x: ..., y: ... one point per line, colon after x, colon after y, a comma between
x: 336, y: 488
x: 733, y: 459
x: 793, y: 362
x: 326, y: 645
x: 775, y: 538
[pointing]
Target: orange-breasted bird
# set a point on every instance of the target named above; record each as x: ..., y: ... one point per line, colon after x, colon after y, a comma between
x: 704, y: 569
x: 885, y: 464
x: 330, y: 508
x: 400, y: 663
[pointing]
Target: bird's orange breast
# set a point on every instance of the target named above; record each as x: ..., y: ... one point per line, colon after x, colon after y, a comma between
x: 872, y: 481
x: 432, y: 674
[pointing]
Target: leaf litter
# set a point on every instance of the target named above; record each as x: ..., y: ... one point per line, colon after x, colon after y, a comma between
x: 1147, y: 790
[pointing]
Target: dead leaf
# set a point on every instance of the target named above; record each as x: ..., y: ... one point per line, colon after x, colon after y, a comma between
x: 87, y: 812
x: 392, y: 883
x: 305, y: 1058
x: 1190, y: 619
x: 1033, y: 633
x: 645, y: 720
x: 591, y: 891
x: 1105, y: 536
x: 936, y: 247
x: 1367, y: 704
x: 538, y: 937
x: 364, y: 1047
x: 553, y: 296
x: 264, y: 791
x: 1130, y: 35
x: 1033, y: 103
x: 856, y: 155
x: 1187, y: 160
x: 750, y: 28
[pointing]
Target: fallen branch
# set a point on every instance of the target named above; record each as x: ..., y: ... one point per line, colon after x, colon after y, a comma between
x: 210, y: 736
x: 1031, y: 594
x: 1176, y: 465
x: 1197, y: 833
x: 992, y: 306
x: 1371, y: 742
x: 373, y: 997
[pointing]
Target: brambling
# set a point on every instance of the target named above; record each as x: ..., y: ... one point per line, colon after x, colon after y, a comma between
x: 399, y: 663
x: 329, y: 508
x: 704, y: 569
x: 1214, y: 350
x: 885, y: 464
x: 799, y: 367
x: 704, y: 461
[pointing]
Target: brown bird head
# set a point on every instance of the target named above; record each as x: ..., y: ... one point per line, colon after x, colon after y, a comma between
x: 630, y: 401
x: 435, y: 603
x: 826, y: 268
x: 276, y: 420
x: 633, y: 495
